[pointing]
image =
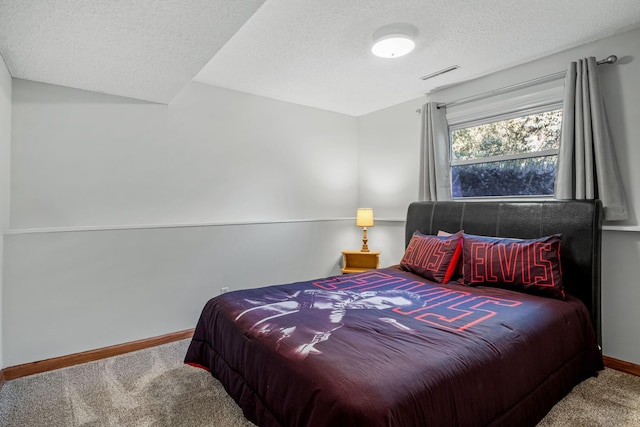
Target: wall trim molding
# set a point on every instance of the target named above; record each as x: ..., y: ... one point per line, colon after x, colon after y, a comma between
x: 14, y: 231
x: 621, y: 365
x: 626, y: 228
x: 26, y: 369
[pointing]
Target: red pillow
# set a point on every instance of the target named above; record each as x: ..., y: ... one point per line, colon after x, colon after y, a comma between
x: 432, y: 257
x: 525, y: 265
x: 457, y: 272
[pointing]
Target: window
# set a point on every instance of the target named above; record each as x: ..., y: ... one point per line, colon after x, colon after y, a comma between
x: 513, y: 154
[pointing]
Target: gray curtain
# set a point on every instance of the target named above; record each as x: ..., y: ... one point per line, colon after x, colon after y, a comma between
x: 435, y: 183
x: 587, y: 167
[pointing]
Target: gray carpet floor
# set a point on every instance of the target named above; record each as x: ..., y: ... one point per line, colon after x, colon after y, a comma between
x: 153, y: 387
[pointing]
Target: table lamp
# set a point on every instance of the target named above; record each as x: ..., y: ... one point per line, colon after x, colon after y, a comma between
x: 364, y: 219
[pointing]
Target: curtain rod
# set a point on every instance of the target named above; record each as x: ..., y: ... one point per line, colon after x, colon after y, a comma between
x: 611, y: 59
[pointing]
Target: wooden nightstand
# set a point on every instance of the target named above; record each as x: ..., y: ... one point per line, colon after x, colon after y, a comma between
x: 357, y: 261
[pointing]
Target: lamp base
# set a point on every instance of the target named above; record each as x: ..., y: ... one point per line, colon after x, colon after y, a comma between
x: 365, y: 248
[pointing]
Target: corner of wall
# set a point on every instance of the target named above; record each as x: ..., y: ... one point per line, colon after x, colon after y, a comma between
x: 5, y: 149
x: 388, y: 153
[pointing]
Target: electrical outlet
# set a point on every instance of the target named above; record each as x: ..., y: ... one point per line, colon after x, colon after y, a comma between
x: 224, y: 290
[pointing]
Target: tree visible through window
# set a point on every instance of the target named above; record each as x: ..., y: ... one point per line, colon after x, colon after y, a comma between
x: 514, y: 157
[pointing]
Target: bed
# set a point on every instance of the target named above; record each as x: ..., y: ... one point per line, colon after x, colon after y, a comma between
x: 397, y: 347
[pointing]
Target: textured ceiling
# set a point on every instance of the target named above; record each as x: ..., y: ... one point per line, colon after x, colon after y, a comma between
x: 309, y: 52
x: 145, y: 49
x: 318, y: 52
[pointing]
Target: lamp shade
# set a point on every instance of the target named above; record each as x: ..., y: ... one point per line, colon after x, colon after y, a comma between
x: 364, y: 217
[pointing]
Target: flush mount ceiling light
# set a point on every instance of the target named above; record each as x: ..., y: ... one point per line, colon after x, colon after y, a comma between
x: 394, y: 40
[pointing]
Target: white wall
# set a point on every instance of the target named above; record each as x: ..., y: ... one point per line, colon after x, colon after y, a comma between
x: 621, y: 91
x: 68, y: 292
x: 5, y: 144
x: 86, y: 161
x: 388, y: 173
x: 389, y: 158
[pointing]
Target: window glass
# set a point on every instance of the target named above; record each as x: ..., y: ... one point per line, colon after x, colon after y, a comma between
x: 511, y: 157
x: 520, y: 177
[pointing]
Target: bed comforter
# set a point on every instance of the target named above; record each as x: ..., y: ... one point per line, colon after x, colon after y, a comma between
x: 388, y: 348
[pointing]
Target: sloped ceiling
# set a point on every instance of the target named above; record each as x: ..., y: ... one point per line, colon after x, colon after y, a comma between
x: 144, y: 49
x: 309, y: 52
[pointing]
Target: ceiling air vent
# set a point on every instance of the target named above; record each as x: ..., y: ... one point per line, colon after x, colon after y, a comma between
x: 437, y: 73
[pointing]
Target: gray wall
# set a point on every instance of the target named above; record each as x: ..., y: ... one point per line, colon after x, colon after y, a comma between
x: 621, y: 241
x: 212, y: 155
x: 67, y: 292
x: 5, y: 146
x: 127, y: 216
x: 389, y: 161
x: 388, y: 172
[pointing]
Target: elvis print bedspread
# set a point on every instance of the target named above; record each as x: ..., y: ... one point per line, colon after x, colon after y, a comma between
x: 386, y: 348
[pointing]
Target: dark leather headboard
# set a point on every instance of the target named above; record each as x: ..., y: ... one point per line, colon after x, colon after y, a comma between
x: 579, y: 222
